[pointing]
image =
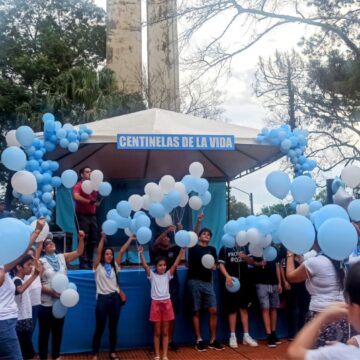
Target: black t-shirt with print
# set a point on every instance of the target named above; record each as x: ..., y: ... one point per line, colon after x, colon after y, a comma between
x: 196, y: 269
x: 234, y: 265
x: 265, y: 274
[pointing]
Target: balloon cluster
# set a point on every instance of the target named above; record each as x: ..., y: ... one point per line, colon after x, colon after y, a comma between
x: 33, y: 182
x: 69, y: 296
x: 161, y: 201
x: 290, y: 142
x: 96, y: 183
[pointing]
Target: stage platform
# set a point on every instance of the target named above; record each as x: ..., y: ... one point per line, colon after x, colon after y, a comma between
x: 135, y: 330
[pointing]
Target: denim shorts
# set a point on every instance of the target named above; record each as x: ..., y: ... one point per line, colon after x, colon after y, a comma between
x: 268, y: 296
x: 9, y: 343
x: 202, y: 294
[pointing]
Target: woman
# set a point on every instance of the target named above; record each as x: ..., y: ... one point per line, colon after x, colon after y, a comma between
x: 9, y: 344
x: 52, y: 264
x: 325, y: 283
x: 108, y: 294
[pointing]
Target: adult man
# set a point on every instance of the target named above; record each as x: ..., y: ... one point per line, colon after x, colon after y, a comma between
x: 300, y: 349
x: 85, y: 209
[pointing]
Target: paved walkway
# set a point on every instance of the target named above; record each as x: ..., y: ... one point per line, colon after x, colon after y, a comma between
x: 189, y: 353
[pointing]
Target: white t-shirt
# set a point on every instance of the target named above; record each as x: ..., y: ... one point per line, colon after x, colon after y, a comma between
x: 106, y: 285
x: 338, y: 351
x: 8, y: 307
x: 160, y: 285
x: 23, y: 301
x: 47, y: 275
x: 322, y: 284
x: 34, y: 290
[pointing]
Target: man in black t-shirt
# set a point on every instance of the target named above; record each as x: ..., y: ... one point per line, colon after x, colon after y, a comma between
x: 163, y: 247
x: 201, y: 289
x: 233, y: 262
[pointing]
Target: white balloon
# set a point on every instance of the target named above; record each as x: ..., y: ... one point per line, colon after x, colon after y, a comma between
x: 253, y: 236
x: 309, y: 254
x: 87, y: 187
x: 59, y: 282
x: 146, y: 202
x: 11, y: 139
x: 184, y: 200
x: 128, y: 232
x: 195, y: 203
x: 196, y: 169
x: 155, y: 193
x: 149, y: 186
x: 43, y: 233
x: 167, y: 183
x: 96, y: 177
x: 342, y: 198
x: 136, y: 202
x: 351, y: 175
x: 303, y: 209
x: 241, y: 238
x: 208, y: 261
x: 164, y: 221
x: 180, y: 187
x: 24, y: 182
x: 255, y: 250
x: 193, y: 239
x: 265, y: 241
x: 69, y: 297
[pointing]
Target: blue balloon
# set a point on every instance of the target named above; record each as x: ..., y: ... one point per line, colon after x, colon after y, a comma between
x: 48, y: 117
x: 123, y: 208
x: 157, y: 210
x: 25, y: 135
x: 231, y: 227
x: 143, y: 235
x: 286, y: 144
x: 251, y: 221
x: 46, y: 197
x: 142, y: 220
x: 13, y: 158
x: 61, y: 133
x: 265, y: 226
x: 297, y: 234
x: 38, y: 154
x: 49, y: 126
x: 56, y: 181
x: 188, y: 181
x: 72, y: 286
x: 54, y: 165
x: 241, y: 223
x: 26, y: 199
x: 73, y: 147
x: 49, y: 146
x: 315, y: 205
x: 112, y: 215
x: 72, y: 136
x: 336, y: 184
x: 69, y: 178
x: 337, y: 238
x: 46, y: 178
x: 14, y: 239
x: 275, y: 220
x: 173, y: 198
x: 205, y: 198
x: 354, y: 210
x: 235, y: 285
x: 303, y: 189
x: 123, y: 223
x: 109, y: 227
x: 278, y: 184
x: 45, y: 165
x: 58, y: 309
x: 201, y: 185
x: 47, y: 188
x: 105, y: 188
x: 328, y: 212
x: 138, y: 213
x: 228, y: 241
x: 84, y: 136
x: 64, y: 143
x: 182, y: 238
x: 269, y: 253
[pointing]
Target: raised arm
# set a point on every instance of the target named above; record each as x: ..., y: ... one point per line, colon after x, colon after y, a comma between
x: 123, y: 249
x: 169, y: 229
x: 294, y: 275
x: 99, y: 250
x: 200, y: 219
x: 37, y: 269
x: 177, y: 261
x: 70, y: 256
x: 143, y: 261
x: 39, y: 226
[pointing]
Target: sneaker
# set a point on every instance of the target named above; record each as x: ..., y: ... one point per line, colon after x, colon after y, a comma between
x: 277, y: 341
x: 200, y: 346
x: 248, y: 340
x: 270, y: 342
x: 173, y: 346
x: 216, y: 345
x: 233, y: 342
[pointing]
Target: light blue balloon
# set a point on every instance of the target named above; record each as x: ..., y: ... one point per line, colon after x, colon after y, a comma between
x: 201, y: 185
x: 73, y: 147
x: 275, y: 220
x: 286, y: 144
x: 46, y: 197
x: 112, y: 215
x: 138, y: 213
x: 241, y: 223
x: 354, y: 210
x: 228, y: 241
x: 61, y: 133
x: 48, y: 117
x: 336, y: 184
x: 315, y: 206
x: 265, y: 226
x: 173, y: 198
x: 64, y: 143
x: 251, y: 221
x: 123, y: 208
x: 58, y: 309
x: 56, y: 181
x: 143, y: 235
x: 14, y: 239
x: 72, y: 286
x: 182, y: 238
x: 124, y: 223
x: 109, y: 227
x: 188, y: 181
x: 337, y: 238
x: 327, y: 212
x: 231, y: 227
x: 297, y: 234
x: 27, y: 199
x: 142, y: 220
x: 205, y: 198
x: 24, y: 135
x: 157, y: 210
x: 303, y: 189
x: 278, y: 184
x: 68, y: 178
x: 13, y: 158
x: 235, y: 285
x: 105, y: 188
x: 269, y: 253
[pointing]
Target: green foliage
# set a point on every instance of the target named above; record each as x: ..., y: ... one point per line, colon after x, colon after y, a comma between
x: 238, y: 209
x: 281, y: 209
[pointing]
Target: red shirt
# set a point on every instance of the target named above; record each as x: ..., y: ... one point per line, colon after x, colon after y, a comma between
x: 83, y: 208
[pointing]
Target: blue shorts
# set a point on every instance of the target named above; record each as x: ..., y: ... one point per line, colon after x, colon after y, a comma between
x: 202, y: 295
x: 268, y: 296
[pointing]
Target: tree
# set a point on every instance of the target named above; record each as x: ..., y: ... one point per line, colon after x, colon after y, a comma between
x: 281, y: 209
x: 238, y: 209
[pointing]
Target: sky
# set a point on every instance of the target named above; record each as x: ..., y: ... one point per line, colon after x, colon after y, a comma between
x: 243, y: 108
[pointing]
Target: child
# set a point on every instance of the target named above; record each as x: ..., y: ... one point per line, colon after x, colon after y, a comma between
x: 24, y: 325
x: 161, y: 312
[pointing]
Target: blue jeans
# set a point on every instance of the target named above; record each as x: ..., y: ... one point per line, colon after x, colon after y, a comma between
x: 9, y: 343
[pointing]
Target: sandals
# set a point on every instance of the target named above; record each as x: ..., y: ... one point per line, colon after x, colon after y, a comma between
x: 113, y: 356
x: 157, y: 358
